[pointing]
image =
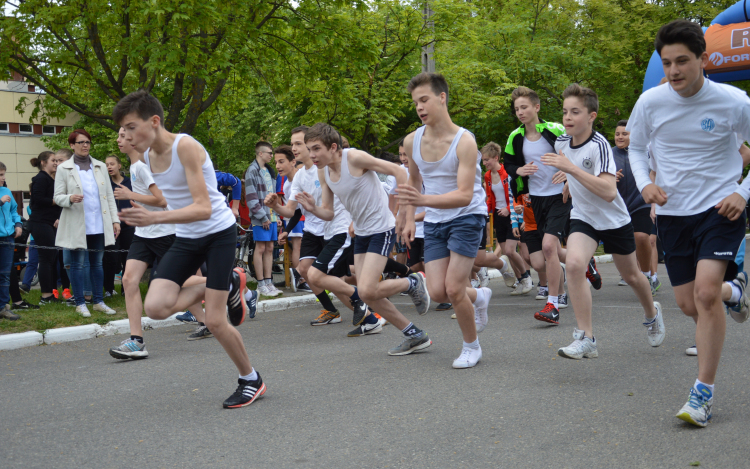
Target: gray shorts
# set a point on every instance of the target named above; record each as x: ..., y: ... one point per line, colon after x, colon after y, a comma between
x: 461, y: 235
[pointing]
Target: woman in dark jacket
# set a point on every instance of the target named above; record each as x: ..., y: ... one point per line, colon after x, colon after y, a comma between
x: 114, y: 262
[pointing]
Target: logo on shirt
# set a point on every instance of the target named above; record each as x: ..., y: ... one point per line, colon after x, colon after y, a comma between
x: 708, y: 124
x: 587, y: 163
x: 317, y: 184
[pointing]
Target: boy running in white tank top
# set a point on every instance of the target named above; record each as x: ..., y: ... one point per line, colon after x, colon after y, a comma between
x: 445, y: 158
x: 598, y: 214
x: 349, y: 174
x: 205, y: 232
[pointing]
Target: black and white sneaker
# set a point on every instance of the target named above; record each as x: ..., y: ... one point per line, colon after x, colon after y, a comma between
x: 293, y: 276
x: 360, y: 311
x: 49, y: 301
x: 304, y: 287
x: 236, y: 306
x: 201, y: 332
x: 23, y: 305
x: 252, y: 305
x: 366, y: 329
x: 246, y: 393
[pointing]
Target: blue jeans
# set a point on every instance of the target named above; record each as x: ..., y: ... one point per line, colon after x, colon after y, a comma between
x: 77, y: 261
x: 86, y: 271
x: 31, y: 266
x: 6, y: 263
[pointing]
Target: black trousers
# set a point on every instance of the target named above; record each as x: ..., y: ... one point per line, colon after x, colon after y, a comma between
x: 114, y: 262
x: 44, y: 235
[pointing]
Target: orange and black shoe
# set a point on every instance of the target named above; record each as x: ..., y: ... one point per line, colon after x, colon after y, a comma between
x: 548, y: 314
x: 236, y: 305
x: 247, y: 392
x: 326, y: 317
x: 66, y: 294
x: 593, y: 275
x: 56, y: 294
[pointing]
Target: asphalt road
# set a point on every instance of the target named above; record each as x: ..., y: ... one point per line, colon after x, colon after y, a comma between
x: 339, y: 402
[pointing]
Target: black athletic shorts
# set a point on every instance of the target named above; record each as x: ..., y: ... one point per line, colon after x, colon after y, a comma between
x: 379, y: 243
x: 415, y: 254
x: 311, y: 246
x: 551, y: 214
x: 641, y: 220
x: 149, y: 250
x: 533, y: 240
x: 186, y: 255
x: 689, y: 239
x: 335, y: 256
x: 503, y: 228
x: 616, y: 241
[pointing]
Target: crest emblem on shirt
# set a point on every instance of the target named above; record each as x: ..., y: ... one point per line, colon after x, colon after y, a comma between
x: 708, y: 124
x: 587, y: 163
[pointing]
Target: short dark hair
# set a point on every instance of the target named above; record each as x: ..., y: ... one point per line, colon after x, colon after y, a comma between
x: 622, y: 123
x: 285, y: 150
x: 436, y: 81
x: 3, y: 168
x: 586, y: 95
x: 325, y: 133
x: 298, y: 129
x: 682, y: 32
x: 142, y: 103
x: 74, y: 135
x: 263, y: 144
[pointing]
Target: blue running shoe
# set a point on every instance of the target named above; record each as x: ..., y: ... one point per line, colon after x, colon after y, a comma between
x: 697, y: 410
x: 252, y: 304
x: 129, y: 348
x: 187, y: 318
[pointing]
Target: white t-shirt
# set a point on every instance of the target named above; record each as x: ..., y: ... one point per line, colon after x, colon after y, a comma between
x: 595, y: 157
x: 306, y: 180
x: 419, y: 226
x: 693, y: 145
x: 499, y: 191
x: 540, y: 183
x: 141, y: 179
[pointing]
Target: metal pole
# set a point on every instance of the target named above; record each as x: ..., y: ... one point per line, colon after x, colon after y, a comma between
x: 428, y: 51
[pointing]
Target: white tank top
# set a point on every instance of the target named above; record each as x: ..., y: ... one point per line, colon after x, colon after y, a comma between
x: 174, y: 186
x: 439, y: 178
x: 364, y: 198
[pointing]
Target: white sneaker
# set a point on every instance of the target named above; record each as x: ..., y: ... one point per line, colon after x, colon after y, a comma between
x: 692, y: 351
x: 508, y: 276
x: 542, y: 293
x: 475, y: 284
x: 83, y: 310
x: 582, y: 347
x: 263, y: 290
x: 273, y: 291
x: 622, y: 283
x: 453, y: 316
x: 562, y: 301
x: 104, y: 308
x: 484, y: 277
x: 564, y: 274
x: 655, y: 331
x: 480, y: 308
x: 526, y: 285
x: 468, y: 358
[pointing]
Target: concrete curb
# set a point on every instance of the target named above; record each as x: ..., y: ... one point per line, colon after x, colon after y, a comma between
x: 20, y: 340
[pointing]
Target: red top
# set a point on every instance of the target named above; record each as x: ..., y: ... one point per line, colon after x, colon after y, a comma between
x: 490, y: 193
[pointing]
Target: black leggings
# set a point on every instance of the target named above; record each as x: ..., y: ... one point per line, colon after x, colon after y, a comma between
x: 44, y: 235
x: 114, y: 262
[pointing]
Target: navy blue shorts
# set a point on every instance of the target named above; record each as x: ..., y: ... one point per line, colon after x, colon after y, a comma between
x: 379, y: 243
x: 461, y: 235
x: 707, y: 235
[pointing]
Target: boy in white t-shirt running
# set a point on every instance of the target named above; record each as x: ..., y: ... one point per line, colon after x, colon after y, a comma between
x: 598, y: 214
x: 694, y: 127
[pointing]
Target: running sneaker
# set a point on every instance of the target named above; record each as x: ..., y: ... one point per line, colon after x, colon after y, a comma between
x: 419, y: 296
x: 508, y: 276
x: 381, y: 320
x: 201, y: 332
x: 304, y: 287
x: 655, y: 331
x: 103, y: 308
x: 623, y: 283
x: 542, y: 293
x: 236, y: 306
x: 468, y: 358
x: 293, y: 277
x: 697, y: 410
x: 366, y: 329
x: 582, y: 347
x: 24, y: 288
x: 187, y: 318
x: 263, y: 290
x: 443, y: 307
x: 109, y: 294
x: 411, y: 344
x: 480, y: 309
x: 740, y: 311
x: 692, y: 351
x: 50, y: 300
x: 523, y: 287
x: 83, y: 310
x: 655, y: 285
x: 6, y: 313
x: 273, y: 291
x: 562, y: 301
x: 70, y: 302
x: 129, y: 348
x: 548, y: 314
x: 326, y: 317
x: 453, y: 316
x: 252, y: 304
x: 246, y: 393
x: 66, y: 294
x: 22, y: 306
x: 56, y: 294
x: 484, y: 277
x: 593, y: 275
x: 360, y: 311
x: 475, y: 283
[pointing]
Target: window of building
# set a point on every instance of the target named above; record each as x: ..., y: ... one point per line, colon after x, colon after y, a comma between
x: 48, y: 130
x: 4, y: 128
x: 26, y: 128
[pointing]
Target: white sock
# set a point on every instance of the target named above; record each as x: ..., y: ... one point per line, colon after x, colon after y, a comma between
x: 251, y: 377
x: 504, y: 268
x: 736, y: 293
x: 248, y: 295
x: 473, y: 345
x: 647, y: 274
x: 554, y: 300
x: 709, y: 386
x: 653, y: 277
x: 480, y: 294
